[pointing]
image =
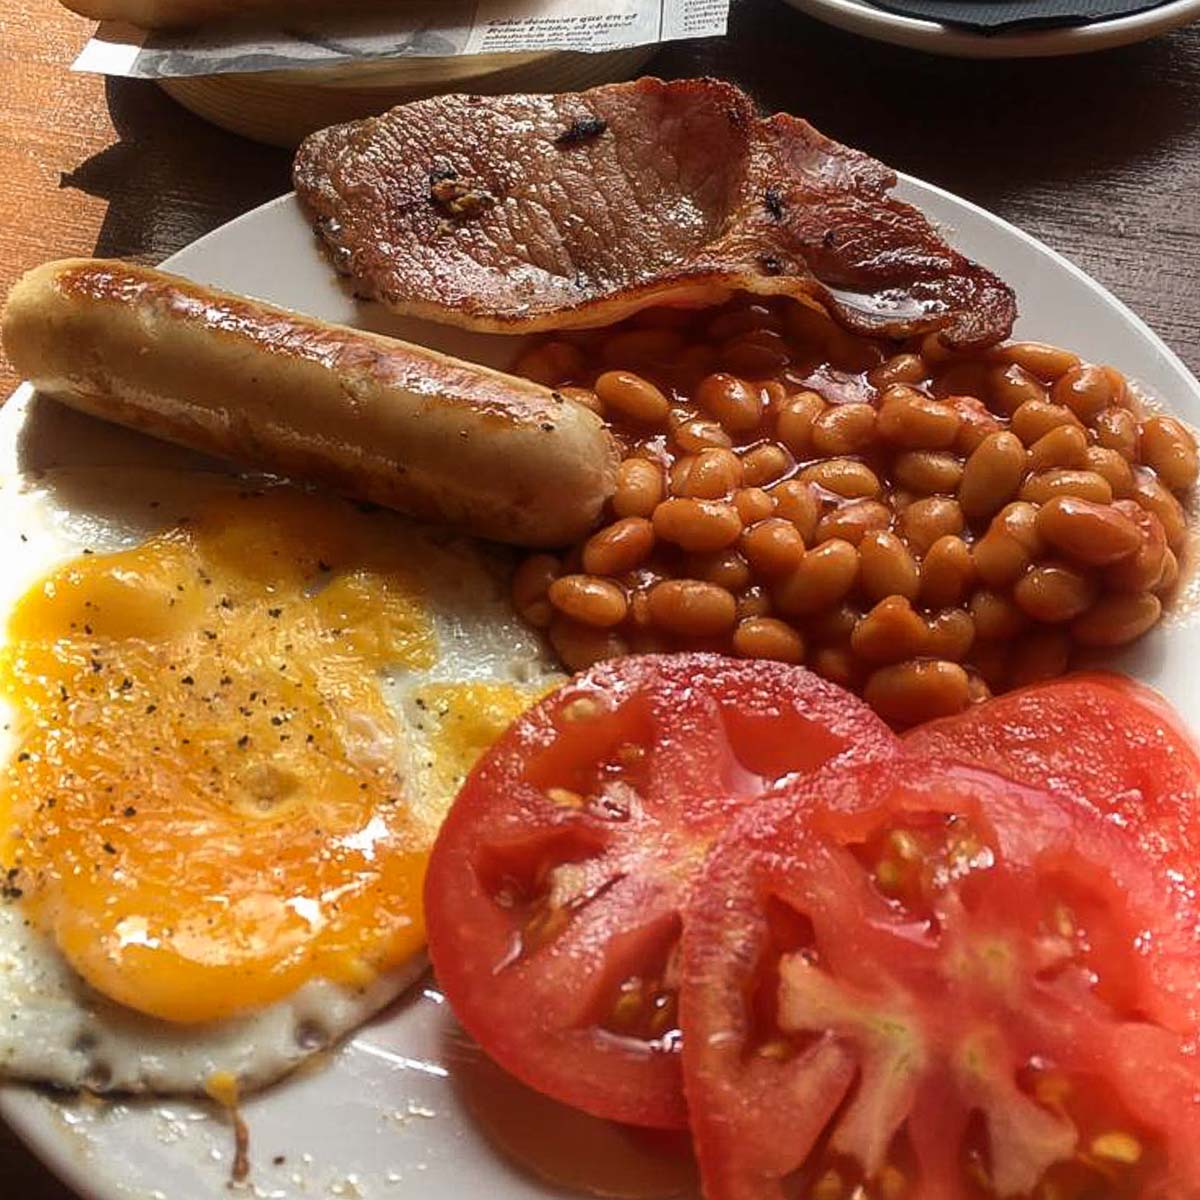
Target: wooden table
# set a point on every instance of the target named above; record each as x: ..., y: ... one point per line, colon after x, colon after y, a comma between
x: 1098, y: 156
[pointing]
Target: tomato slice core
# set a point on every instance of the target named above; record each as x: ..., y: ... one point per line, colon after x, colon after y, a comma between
x: 556, y: 891
x: 922, y: 980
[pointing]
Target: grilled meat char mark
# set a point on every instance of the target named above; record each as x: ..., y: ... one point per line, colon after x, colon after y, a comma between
x: 605, y: 201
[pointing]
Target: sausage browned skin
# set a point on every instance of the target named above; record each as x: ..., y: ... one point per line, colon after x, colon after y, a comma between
x: 372, y: 417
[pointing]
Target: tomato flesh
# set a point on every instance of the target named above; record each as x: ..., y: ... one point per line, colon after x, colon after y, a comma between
x: 556, y: 890
x: 1107, y: 743
x: 1097, y: 737
x: 924, y: 980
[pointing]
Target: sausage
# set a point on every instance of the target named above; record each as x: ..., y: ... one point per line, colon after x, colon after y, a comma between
x: 372, y: 417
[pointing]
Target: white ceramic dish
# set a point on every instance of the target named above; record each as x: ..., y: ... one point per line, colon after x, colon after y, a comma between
x: 860, y: 16
x: 390, y: 1113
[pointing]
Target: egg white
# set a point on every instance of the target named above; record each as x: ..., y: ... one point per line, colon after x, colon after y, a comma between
x: 57, y: 1030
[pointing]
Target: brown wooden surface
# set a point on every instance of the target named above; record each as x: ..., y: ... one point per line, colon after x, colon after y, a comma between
x: 1098, y: 156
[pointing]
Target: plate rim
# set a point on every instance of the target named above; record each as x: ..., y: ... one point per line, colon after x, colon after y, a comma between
x: 918, y: 33
x: 22, y: 1106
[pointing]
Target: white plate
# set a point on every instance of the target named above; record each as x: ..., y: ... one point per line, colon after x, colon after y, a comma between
x: 387, y: 1114
x: 860, y: 16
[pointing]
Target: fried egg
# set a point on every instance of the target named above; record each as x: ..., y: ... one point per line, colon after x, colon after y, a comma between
x: 234, y: 718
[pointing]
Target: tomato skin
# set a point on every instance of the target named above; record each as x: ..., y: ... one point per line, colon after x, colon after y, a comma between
x: 1109, y: 743
x: 623, y: 844
x: 756, y: 1113
x: 1095, y: 736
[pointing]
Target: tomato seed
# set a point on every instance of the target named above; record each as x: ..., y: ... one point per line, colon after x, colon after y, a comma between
x: 582, y: 708
x: 776, y: 1049
x: 629, y: 753
x: 1117, y: 1147
x: 564, y: 797
x: 904, y: 845
x: 891, y: 1182
x: 662, y: 1019
x: 1064, y: 922
x: 543, y: 927
x: 1052, y: 1090
x: 967, y: 851
x: 828, y: 1187
x: 628, y: 1007
x: 888, y: 875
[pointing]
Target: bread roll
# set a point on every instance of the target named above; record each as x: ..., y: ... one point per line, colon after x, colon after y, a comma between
x: 373, y: 417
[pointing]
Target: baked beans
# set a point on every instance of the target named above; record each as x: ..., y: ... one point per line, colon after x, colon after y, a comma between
x: 844, y: 477
x: 853, y: 520
x: 773, y: 547
x: 1150, y: 493
x: 1170, y: 450
x: 947, y: 572
x: 800, y: 504
x: 753, y: 504
x: 995, y: 616
x: 710, y: 475
x: 891, y: 632
x: 530, y: 585
x: 692, y: 608
x: 1087, y: 391
x: 922, y: 524
x: 887, y: 567
x: 625, y: 394
x: 767, y: 637
x: 915, y: 421
x: 1095, y: 534
x: 928, y: 471
x: 951, y: 635
x: 1063, y: 446
x: 732, y: 403
x: 1047, y: 363
x: 991, y: 475
x: 1036, y: 418
x: 1010, y: 386
x: 843, y: 429
x: 697, y: 524
x: 900, y: 368
x: 1112, y: 467
x: 919, y: 690
x: 1143, y: 571
x: 1041, y: 654
x: 822, y: 578
x: 1117, y: 429
x: 698, y: 434
x: 765, y: 464
x: 639, y: 488
x: 1053, y: 592
x: 924, y: 521
x: 1043, y: 486
x: 589, y: 600
x: 726, y: 568
x: 619, y: 547
x: 794, y: 425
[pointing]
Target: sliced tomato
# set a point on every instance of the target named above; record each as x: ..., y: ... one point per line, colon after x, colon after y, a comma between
x: 1101, y: 739
x: 921, y: 980
x: 555, y: 889
x: 1094, y: 736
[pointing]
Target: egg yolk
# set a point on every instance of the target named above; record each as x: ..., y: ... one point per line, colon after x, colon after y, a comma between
x: 207, y: 807
x: 461, y: 720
